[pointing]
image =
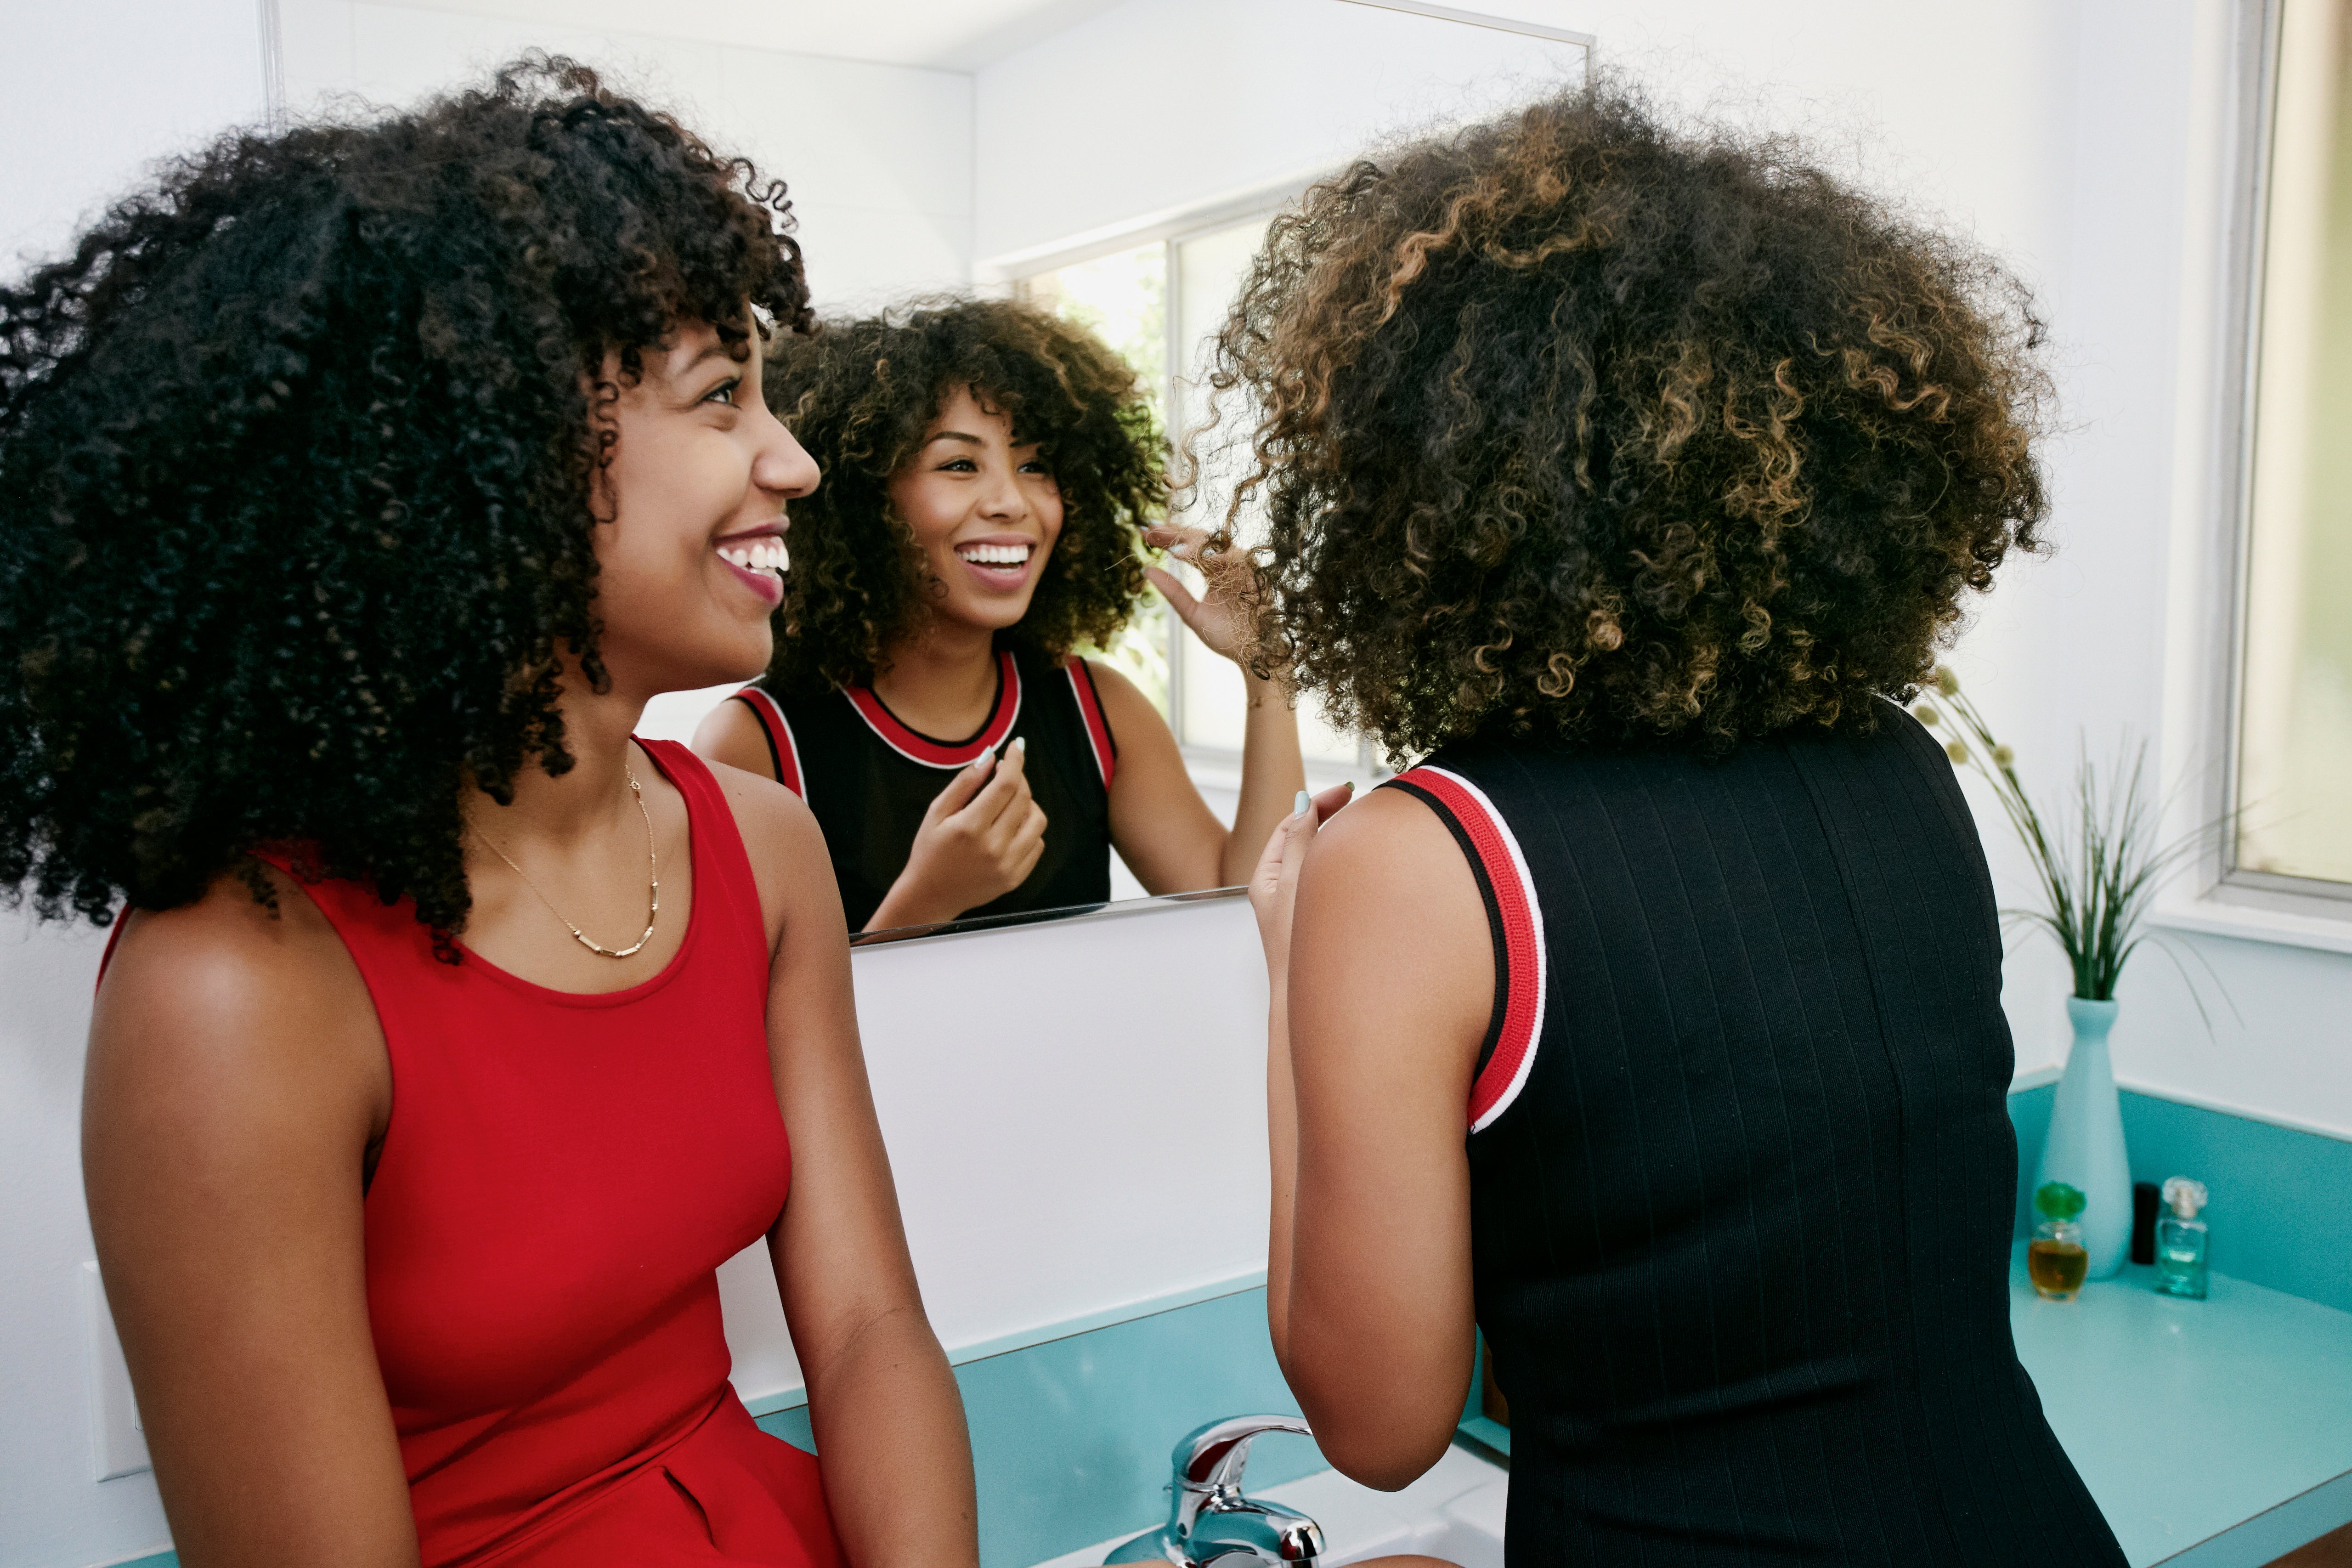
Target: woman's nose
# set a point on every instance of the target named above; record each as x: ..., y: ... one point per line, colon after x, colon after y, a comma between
x: 1002, y: 498
x: 783, y: 466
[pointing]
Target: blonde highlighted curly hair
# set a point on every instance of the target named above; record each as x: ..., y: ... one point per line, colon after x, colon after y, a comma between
x: 1574, y: 426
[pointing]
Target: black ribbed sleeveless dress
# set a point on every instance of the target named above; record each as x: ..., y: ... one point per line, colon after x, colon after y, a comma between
x: 1742, y: 1174
x: 869, y: 777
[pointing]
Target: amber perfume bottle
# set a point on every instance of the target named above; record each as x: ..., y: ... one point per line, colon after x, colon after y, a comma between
x: 2057, y: 1258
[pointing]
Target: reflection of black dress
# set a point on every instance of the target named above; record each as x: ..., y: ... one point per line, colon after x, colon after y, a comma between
x: 1742, y: 1175
x: 868, y: 779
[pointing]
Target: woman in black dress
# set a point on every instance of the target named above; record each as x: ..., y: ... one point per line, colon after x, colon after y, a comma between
x: 1652, y: 1023
x: 991, y: 474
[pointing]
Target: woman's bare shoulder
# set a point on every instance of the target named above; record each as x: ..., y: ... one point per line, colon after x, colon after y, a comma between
x: 231, y: 1008
x: 231, y: 955
x: 1123, y: 701
x: 1387, y: 839
x: 784, y: 845
x: 1386, y: 896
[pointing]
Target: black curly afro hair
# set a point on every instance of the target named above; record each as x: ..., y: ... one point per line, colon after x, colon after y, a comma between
x: 860, y: 396
x: 1573, y: 426
x: 296, y: 463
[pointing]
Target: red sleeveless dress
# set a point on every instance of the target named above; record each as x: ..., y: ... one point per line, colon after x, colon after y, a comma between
x: 561, y: 1177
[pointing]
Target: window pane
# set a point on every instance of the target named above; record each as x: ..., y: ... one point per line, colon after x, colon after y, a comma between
x: 1122, y: 300
x: 1209, y: 272
x: 2295, y: 736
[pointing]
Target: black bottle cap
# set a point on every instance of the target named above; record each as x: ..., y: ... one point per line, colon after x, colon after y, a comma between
x: 2146, y: 1201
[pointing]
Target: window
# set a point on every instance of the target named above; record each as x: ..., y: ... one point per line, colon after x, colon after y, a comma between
x: 1160, y: 305
x: 2292, y: 752
x: 1122, y: 298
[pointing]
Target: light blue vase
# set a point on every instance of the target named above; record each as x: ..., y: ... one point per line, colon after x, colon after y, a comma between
x: 2085, y: 1146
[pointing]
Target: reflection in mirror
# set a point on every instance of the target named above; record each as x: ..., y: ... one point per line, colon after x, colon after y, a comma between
x: 1116, y: 908
x: 1159, y: 306
x: 1000, y: 685
x: 995, y: 472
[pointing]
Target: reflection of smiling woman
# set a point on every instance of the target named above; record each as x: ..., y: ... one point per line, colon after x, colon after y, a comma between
x: 987, y: 470
x: 356, y: 492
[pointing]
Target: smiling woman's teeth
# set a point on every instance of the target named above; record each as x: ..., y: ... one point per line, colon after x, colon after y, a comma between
x: 995, y: 554
x: 760, y: 555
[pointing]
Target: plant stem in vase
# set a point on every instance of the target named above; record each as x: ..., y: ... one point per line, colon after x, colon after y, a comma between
x: 2086, y: 1145
x: 2097, y: 876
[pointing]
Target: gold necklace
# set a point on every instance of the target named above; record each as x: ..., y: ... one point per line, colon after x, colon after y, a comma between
x: 653, y: 872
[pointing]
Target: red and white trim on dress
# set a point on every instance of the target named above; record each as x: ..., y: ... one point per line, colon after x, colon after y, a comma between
x: 1082, y: 687
x: 1523, y: 956
x: 781, y: 744
x: 922, y: 749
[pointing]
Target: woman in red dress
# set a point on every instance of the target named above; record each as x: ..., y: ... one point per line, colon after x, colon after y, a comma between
x: 357, y: 488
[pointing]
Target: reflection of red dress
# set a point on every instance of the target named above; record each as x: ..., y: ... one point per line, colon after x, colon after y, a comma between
x: 562, y: 1176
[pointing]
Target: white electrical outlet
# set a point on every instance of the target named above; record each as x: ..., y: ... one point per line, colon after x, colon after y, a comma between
x: 118, y: 1443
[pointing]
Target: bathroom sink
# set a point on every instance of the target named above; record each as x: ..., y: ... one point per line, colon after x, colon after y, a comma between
x: 1456, y: 1511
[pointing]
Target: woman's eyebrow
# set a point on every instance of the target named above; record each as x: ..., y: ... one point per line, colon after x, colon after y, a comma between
x: 709, y: 352
x: 957, y: 435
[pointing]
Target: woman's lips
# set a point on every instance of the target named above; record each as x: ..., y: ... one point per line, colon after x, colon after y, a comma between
x: 760, y: 560
x: 1000, y: 575
x: 761, y: 581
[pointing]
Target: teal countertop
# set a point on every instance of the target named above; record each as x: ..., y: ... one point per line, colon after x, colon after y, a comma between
x: 2214, y: 1434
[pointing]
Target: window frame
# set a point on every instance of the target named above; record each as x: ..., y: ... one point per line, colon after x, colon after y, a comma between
x: 1170, y: 230
x: 2258, y: 26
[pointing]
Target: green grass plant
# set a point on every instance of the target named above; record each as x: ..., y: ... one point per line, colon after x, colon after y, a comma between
x: 2099, y: 867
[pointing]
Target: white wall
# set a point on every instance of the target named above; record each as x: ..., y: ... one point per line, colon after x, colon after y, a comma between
x: 878, y: 158
x: 52, y: 1513
x: 2084, y: 141
x: 1164, y: 104
x: 2087, y: 141
x: 1076, y: 1121
x: 100, y: 89
x: 153, y: 78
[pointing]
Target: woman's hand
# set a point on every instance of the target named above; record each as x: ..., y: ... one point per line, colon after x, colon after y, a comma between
x: 1216, y: 614
x: 1274, y: 886
x: 980, y: 839
x: 1271, y: 769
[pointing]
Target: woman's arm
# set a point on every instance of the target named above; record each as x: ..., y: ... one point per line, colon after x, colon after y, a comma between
x: 1272, y: 774
x: 236, y: 1079
x: 888, y: 1420
x: 1163, y: 830
x: 1381, y: 975
x: 1158, y: 823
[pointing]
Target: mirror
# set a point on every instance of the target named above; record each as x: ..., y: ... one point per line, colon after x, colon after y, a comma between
x: 1112, y: 174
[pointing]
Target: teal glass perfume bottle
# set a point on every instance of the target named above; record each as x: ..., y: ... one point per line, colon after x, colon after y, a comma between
x: 2181, y: 1240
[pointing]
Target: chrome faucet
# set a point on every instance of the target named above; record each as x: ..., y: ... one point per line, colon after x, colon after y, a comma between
x: 1209, y: 1519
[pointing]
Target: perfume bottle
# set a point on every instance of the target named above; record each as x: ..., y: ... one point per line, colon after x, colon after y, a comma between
x: 2144, y: 1203
x: 2181, y: 1240
x: 2057, y: 1258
